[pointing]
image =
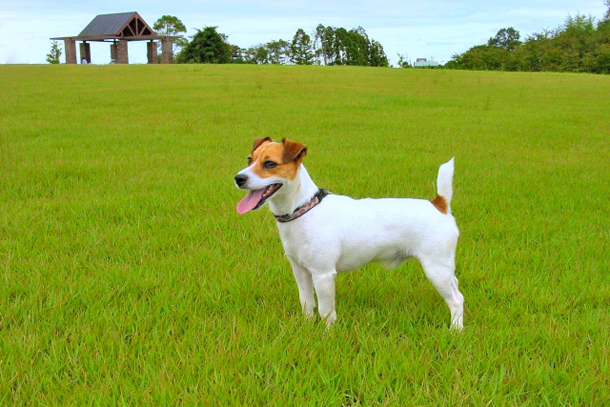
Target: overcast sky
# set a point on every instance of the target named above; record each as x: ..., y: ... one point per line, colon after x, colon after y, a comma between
x: 419, y: 29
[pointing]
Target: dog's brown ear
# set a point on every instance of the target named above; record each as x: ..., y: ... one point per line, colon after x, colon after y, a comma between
x: 293, y: 151
x: 258, y: 141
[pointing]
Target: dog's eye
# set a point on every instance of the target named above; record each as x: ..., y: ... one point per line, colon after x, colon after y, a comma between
x: 270, y: 164
x: 249, y: 160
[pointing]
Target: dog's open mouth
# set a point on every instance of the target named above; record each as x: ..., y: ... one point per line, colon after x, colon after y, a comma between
x: 256, y: 199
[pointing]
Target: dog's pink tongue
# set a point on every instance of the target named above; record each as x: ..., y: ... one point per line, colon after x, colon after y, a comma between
x: 249, y: 201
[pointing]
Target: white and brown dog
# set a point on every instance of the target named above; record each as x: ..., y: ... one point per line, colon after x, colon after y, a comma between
x: 324, y: 234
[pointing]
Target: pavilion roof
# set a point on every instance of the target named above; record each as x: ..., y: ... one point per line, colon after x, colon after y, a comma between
x: 108, y: 24
x: 127, y: 26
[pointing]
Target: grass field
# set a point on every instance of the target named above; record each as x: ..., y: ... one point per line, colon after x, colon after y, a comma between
x: 127, y: 277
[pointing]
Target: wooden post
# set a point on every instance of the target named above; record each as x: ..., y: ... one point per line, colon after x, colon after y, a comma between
x: 70, y: 49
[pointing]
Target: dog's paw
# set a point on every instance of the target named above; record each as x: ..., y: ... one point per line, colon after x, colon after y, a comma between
x: 330, y: 319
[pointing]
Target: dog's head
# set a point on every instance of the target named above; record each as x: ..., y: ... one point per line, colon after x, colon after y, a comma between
x: 271, y: 166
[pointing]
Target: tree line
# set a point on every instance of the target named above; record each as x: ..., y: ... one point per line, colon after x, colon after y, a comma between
x: 325, y: 46
x: 581, y: 44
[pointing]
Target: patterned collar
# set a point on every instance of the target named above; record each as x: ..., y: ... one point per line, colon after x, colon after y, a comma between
x: 303, y: 209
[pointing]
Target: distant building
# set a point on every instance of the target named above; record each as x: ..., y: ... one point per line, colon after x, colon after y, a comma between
x: 118, y: 29
x: 423, y: 62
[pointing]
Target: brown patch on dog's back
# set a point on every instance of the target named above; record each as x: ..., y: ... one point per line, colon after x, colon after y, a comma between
x: 440, y: 203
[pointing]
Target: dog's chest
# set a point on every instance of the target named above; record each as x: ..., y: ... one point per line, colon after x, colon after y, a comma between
x: 301, y: 241
x: 294, y: 236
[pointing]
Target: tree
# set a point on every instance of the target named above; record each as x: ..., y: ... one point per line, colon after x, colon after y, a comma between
x: 278, y: 51
x: 377, y: 55
x: 273, y: 52
x: 607, y: 15
x: 359, y: 47
x: 207, y: 46
x: 171, y: 26
x: 300, y: 49
x: 237, y: 54
x: 403, y: 61
x: 507, y: 38
x: 325, y: 44
x: 337, y: 46
x: 53, y: 56
x: 257, y: 54
x: 319, y: 45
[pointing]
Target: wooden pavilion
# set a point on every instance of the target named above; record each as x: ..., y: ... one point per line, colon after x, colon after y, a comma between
x: 118, y: 29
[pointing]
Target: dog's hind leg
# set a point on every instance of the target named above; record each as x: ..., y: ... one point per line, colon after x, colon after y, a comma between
x: 441, y: 275
x: 305, y: 284
x: 325, y: 289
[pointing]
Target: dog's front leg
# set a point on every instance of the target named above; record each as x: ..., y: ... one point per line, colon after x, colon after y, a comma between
x: 325, y: 289
x: 305, y: 284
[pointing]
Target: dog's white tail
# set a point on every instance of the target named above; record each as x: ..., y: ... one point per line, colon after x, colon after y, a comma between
x: 444, y: 181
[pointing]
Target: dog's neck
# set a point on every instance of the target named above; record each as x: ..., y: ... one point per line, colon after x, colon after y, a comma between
x: 293, y: 194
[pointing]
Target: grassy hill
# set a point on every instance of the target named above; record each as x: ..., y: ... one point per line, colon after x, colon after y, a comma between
x: 127, y: 277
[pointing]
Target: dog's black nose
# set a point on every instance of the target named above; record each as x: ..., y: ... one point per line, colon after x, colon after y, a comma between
x: 241, y: 179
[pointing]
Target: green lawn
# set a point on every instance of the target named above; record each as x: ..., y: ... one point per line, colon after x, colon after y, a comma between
x: 128, y: 278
